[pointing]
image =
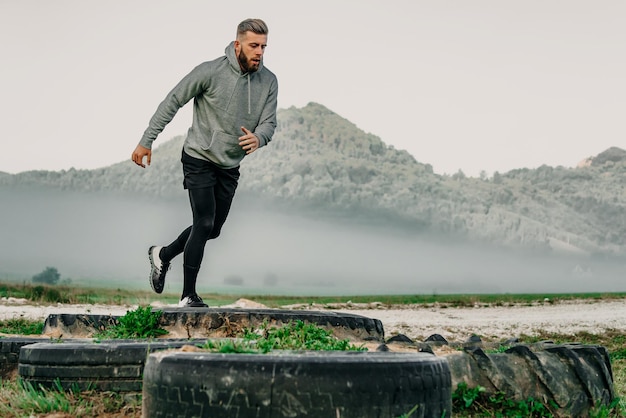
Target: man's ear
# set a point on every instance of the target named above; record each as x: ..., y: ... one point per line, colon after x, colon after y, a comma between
x: 237, y: 46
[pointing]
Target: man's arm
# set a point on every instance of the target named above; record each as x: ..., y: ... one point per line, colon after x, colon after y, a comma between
x: 189, y: 87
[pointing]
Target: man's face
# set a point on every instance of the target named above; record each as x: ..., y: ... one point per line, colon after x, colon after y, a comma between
x: 249, y: 50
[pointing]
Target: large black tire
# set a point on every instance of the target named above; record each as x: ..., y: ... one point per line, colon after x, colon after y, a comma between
x: 223, y: 322
x: 108, y: 365
x: 10, y: 353
x: 576, y: 378
x: 77, y: 325
x: 290, y: 384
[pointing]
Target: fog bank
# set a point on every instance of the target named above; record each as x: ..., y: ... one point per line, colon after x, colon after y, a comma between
x: 106, y: 239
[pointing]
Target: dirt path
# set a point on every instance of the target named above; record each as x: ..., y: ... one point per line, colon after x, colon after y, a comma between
x: 419, y: 321
x: 458, y: 324
x: 20, y: 308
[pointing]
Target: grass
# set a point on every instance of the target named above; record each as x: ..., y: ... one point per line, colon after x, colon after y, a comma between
x: 21, y: 326
x: 18, y: 399
x: 85, y: 294
x: 450, y: 300
x: 410, y: 413
x: 296, y: 335
x: 69, y: 294
x: 139, y: 323
x: 475, y: 403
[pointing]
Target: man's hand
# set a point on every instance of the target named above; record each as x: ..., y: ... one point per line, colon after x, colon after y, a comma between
x: 249, y: 142
x: 138, y: 155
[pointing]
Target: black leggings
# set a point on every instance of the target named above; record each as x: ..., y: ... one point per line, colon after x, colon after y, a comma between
x: 211, y: 192
x: 209, y: 214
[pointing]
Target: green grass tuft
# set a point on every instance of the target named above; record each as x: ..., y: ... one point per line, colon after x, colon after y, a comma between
x: 140, y: 323
x: 475, y: 402
x: 296, y: 335
x: 21, y: 326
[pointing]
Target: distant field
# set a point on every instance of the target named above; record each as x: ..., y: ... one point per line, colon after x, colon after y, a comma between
x: 110, y: 292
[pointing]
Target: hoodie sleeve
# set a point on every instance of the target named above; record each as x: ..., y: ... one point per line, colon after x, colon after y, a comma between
x: 188, y: 88
x: 267, y: 122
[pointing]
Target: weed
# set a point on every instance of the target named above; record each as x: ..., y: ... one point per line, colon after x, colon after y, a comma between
x: 464, y: 396
x: 40, y: 401
x: 411, y: 412
x: 298, y: 335
x: 475, y: 402
x: 619, y: 354
x: 21, y: 326
x: 19, y: 398
x: 140, y: 323
x: 43, y: 293
x: 496, y: 350
x: 615, y: 409
x: 230, y: 346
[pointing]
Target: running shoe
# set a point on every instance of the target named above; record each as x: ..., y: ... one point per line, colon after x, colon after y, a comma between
x: 192, y: 301
x: 158, y: 269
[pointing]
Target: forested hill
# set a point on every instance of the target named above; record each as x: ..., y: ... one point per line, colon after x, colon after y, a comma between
x: 320, y: 163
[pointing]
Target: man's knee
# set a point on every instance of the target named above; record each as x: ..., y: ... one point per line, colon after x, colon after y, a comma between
x: 205, y: 226
x: 215, y: 233
x: 217, y: 226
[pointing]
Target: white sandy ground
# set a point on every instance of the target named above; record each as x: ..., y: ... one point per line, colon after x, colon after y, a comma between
x: 493, y: 323
x: 500, y: 323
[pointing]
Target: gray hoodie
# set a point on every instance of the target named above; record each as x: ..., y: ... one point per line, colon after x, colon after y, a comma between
x: 225, y: 99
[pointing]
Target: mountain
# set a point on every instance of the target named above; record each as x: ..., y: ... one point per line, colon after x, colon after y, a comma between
x: 612, y: 155
x: 321, y: 164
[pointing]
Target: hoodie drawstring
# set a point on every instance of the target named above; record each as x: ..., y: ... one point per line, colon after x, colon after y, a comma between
x: 249, y: 110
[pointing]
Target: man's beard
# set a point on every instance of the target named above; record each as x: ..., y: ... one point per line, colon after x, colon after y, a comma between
x: 243, y: 62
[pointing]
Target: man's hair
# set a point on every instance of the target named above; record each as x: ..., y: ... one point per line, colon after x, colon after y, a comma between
x: 252, y: 25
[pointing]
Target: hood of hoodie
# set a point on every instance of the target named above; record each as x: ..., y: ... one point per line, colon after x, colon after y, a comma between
x: 234, y: 62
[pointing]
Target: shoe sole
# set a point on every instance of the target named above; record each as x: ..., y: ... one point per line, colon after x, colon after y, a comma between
x: 196, y: 304
x: 204, y: 305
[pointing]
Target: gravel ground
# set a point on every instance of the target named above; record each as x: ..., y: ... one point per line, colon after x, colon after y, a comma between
x: 497, y: 322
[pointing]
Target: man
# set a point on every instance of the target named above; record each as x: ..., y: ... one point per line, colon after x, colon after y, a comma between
x: 234, y: 114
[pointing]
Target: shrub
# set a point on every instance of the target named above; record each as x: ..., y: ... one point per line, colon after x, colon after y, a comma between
x: 50, y: 275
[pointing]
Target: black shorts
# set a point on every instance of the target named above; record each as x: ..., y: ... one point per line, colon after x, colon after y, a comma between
x: 201, y: 173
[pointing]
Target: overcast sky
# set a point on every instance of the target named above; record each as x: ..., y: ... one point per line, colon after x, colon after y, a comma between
x: 473, y: 85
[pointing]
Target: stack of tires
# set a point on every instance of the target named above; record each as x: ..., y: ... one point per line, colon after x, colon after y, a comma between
x: 412, y: 382
x: 180, y: 383
x: 111, y: 365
